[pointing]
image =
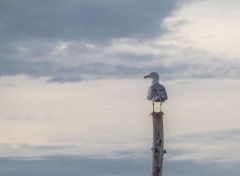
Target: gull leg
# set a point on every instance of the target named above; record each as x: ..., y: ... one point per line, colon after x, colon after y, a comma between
x: 153, y: 109
x: 153, y: 105
x: 160, y: 106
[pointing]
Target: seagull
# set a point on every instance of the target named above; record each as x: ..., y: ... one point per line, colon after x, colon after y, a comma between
x: 156, y: 92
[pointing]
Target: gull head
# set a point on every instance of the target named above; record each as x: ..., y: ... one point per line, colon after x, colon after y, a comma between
x: 153, y: 75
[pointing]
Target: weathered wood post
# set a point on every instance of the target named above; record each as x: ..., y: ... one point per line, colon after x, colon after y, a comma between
x: 158, y: 144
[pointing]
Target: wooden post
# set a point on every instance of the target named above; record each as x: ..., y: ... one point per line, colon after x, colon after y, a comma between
x: 158, y: 144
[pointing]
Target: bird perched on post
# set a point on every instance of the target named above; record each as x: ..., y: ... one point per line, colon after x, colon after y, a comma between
x: 156, y: 92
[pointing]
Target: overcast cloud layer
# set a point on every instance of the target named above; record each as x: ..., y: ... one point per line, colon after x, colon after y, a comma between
x: 67, y: 40
x: 77, y: 40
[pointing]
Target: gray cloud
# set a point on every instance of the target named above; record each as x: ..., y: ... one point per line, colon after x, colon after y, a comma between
x: 32, y: 31
x: 84, y: 20
x: 128, y: 162
x: 189, y: 168
x: 67, y: 165
x: 75, y: 165
x: 58, y: 72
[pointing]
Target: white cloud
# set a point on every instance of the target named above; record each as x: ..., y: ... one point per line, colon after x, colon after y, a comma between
x: 211, y: 26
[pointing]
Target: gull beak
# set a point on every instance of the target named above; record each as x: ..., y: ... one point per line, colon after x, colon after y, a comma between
x: 147, y: 76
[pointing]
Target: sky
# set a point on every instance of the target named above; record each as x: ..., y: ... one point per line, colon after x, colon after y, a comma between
x: 73, y: 97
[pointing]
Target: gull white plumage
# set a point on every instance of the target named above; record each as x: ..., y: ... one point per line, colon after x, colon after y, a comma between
x: 156, y: 92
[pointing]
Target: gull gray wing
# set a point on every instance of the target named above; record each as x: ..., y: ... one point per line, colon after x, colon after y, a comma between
x: 151, y: 93
x: 157, y: 92
x: 162, y: 92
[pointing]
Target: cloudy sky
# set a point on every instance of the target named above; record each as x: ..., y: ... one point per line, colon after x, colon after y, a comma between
x: 73, y: 97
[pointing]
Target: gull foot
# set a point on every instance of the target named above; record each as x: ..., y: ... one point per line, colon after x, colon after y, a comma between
x: 153, y: 113
x: 158, y: 113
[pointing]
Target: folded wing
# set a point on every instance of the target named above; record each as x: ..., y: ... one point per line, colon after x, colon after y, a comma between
x: 157, y: 93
